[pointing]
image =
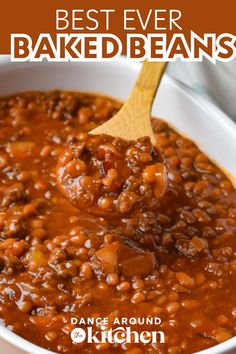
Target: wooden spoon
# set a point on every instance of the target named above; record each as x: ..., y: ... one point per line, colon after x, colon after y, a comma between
x: 89, y: 169
x: 133, y: 119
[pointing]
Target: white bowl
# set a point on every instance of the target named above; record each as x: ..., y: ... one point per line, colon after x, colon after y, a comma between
x: 186, y: 111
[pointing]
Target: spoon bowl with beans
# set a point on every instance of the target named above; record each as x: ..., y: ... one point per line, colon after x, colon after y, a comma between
x: 118, y: 167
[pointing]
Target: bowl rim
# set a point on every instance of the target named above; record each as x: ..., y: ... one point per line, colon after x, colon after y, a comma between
x: 215, y: 112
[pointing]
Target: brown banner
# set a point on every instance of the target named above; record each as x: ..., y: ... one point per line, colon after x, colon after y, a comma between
x: 35, y: 17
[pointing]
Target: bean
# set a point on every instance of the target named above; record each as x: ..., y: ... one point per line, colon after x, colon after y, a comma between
x: 76, y: 167
x: 3, y: 161
x: 189, y: 304
x: 185, y: 279
x: 66, y: 156
x: 126, y: 201
x: 105, y: 203
x: 66, y: 269
x: 108, y: 238
x: 169, y: 151
x: 161, y: 300
x: 124, y: 287
x: 19, y: 248
x: 86, y: 271
x: 78, y: 240
x: 174, y: 161
x: 157, y: 310
x: 86, y: 182
x: 174, y: 176
x: 187, y: 216
x: 39, y: 233
x: 137, y: 283
x: 173, y: 296
x: 40, y: 185
x: 172, y: 307
x: 201, y: 216
x: 102, y: 286
x: 51, y: 336
x: 138, y: 297
x: 29, y: 210
x: 153, y: 173
x: 200, y: 278
x: 111, y: 177
x: 221, y: 335
x: 113, y: 279
x: 84, y: 115
x: 83, y: 253
x: 45, y: 151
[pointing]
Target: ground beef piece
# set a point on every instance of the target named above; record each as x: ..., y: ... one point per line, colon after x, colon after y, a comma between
x: 14, y: 226
x: 15, y: 193
x: 12, y: 264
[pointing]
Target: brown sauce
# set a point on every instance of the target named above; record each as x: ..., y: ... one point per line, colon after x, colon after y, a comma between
x: 176, y: 262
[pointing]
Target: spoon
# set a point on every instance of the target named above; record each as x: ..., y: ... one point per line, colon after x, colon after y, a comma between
x: 118, y: 167
x: 133, y: 120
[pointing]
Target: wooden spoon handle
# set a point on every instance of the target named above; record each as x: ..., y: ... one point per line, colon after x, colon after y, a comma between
x: 147, y: 84
x: 133, y: 120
